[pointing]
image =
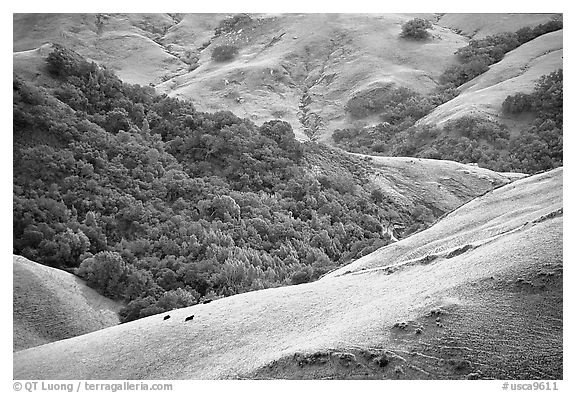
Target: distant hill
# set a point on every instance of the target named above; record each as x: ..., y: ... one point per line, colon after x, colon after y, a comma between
x: 479, y: 25
x: 51, y: 305
x: 301, y: 68
x: 478, y: 295
x: 438, y: 186
x: 124, y: 42
x: 518, y: 72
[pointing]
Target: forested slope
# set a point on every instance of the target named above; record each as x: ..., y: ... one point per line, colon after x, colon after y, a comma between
x: 162, y: 206
x: 427, y: 307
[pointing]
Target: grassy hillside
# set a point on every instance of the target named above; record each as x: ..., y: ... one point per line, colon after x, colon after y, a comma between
x: 437, y: 186
x: 424, y: 307
x: 129, y: 44
x: 301, y: 68
x: 289, y: 66
x: 297, y: 66
x: 480, y: 25
x: 162, y: 206
x: 502, y: 211
x: 176, y: 212
x: 51, y: 305
x: 518, y: 72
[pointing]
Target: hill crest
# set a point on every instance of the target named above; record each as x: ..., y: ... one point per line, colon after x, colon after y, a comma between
x: 51, y: 305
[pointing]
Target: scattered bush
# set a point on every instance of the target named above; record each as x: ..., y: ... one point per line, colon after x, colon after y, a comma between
x: 395, y: 105
x: 345, y: 357
x: 377, y: 196
x: 224, y: 53
x: 382, y: 360
x: 416, y: 29
x: 476, y: 57
x: 517, y: 103
x: 461, y: 365
x: 300, y: 277
x: 233, y: 23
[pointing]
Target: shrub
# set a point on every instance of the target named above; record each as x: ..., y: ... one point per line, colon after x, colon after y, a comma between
x: 62, y: 62
x: 393, y: 104
x: 549, y: 97
x: 106, y: 272
x: 461, y: 364
x: 490, y: 49
x: 224, y: 53
x: 233, y: 23
x: 539, y: 147
x: 381, y: 361
x: 546, y: 100
x: 300, y: 277
x: 458, y: 74
x: 517, y: 103
x: 416, y: 29
x: 526, y: 34
x: 377, y: 196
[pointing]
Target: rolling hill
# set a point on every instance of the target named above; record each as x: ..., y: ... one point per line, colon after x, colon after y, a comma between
x: 51, y: 305
x: 123, y: 42
x: 480, y: 25
x: 301, y: 68
x: 518, y: 72
x: 407, y: 184
x: 473, y: 288
x: 478, y: 295
x: 439, y: 185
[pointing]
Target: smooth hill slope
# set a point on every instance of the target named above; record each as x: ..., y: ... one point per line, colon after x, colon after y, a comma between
x: 484, y: 219
x: 299, y: 66
x: 409, y: 185
x: 518, y: 72
x: 129, y: 44
x: 491, y: 311
x: 293, y: 66
x: 439, y: 185
x: 302, y: 68
x: 478, y: 25
x: 50, y: 305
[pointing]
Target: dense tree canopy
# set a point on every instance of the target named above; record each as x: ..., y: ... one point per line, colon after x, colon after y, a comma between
x: 161, y: 206
x: 469, y: 139
x: 476, y: 57
x: 416, y: 29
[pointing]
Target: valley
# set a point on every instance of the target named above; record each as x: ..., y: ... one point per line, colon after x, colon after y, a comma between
x: 288, y: 196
